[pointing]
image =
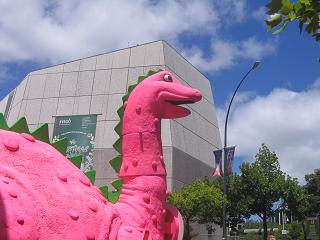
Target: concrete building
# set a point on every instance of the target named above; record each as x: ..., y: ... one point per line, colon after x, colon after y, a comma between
x: 95, y: 85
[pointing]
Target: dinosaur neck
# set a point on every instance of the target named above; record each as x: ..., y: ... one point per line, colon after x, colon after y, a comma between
x: 141, y: 143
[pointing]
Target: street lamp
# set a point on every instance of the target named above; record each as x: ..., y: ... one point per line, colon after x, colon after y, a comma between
x: 254, y: 66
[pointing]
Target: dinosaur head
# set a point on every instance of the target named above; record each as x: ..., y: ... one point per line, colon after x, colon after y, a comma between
x: 165, y: 94
x: 156, y: 97
x: 171, y: 94
x: 159, y: 96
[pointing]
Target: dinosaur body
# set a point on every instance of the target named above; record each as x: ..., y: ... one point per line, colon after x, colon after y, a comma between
x: 44, y: 196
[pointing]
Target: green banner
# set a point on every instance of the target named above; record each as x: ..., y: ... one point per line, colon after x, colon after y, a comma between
x: 80, y: 132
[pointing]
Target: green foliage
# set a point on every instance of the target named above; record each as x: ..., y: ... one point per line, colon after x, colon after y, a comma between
x: 252, y: 236
x: 262, y: 182
x: 258, y: 225
x: 258, y: 187
x: 306, y: 12
x: 313, y: 188
x: 296, y: 231
x: 198, y: 202
x: 237, y: 200
x: 295, y: 198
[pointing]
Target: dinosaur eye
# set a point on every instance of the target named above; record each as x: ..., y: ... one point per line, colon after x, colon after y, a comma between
x: 167, y: 78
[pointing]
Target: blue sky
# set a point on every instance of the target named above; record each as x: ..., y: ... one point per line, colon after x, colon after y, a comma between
x: 278, y: 104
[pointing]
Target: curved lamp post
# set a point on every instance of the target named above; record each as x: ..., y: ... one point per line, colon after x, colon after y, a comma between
x: 254, y: 66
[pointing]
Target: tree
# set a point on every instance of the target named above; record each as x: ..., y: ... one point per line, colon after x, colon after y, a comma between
x: 262, y: 182
x: 296, y: 198
x: 199, y: 202
x: 237, y: 201
x: 306, y: 12
x: 313, y: 188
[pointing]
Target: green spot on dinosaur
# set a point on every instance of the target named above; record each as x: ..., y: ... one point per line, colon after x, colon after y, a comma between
x: 76, y: 160
x: 116, y: 163
x: 20, y: 126
x: 91, y: 175
x: 61, y: 145
x: 42, y: 133
x: 3, y: 123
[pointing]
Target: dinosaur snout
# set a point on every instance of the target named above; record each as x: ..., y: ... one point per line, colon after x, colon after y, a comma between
x: 197, y: 96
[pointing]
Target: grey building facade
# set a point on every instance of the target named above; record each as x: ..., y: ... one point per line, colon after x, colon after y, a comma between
x: 95, y: 85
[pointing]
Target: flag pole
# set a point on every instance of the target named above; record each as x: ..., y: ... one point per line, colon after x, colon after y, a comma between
x: 224, y: 224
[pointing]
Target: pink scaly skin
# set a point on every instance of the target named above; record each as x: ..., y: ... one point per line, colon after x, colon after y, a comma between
x: 142, y: 203
x: 43, y: 196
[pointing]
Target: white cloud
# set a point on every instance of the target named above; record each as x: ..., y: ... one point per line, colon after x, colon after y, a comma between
x: 62, y: 30
x: 225, y: 54
x: 231, y: 10
x: 57, y: 31
x: 316, y: 84
x: 287, y: 121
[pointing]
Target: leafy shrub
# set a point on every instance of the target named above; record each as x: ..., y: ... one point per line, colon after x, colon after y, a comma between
x: 252, y: 236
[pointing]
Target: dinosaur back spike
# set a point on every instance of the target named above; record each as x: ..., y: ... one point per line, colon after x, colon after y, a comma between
x: 76, y: 160
x: 3, y: 123
x: 141, y: 78
x: 104, y: 191
x: 61, y: 145
x: 91, y: 175
x: 42, y: 133
x: 120, y: 112
x: 118, y: 145
x: 20, y: 126
x: 113, y: 196
x: 131, y: 87
x: 151, y: 72
x: 118, y: 128
x: 117, y: 184
x: 125, y: 97
x: 116, y: 163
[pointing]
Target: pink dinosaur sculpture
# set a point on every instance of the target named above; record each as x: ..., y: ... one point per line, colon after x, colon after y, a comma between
x: 43, y: 196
